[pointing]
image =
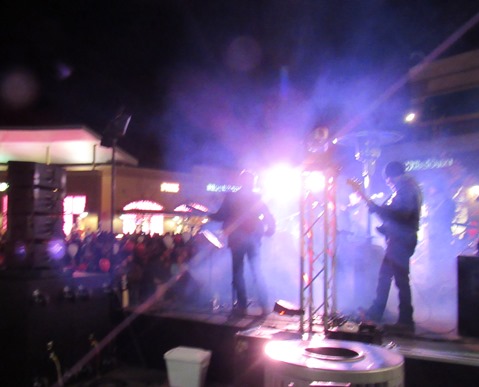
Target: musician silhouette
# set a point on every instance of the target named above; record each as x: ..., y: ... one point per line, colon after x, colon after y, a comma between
x: 246, y: 219
x: 400, y: 215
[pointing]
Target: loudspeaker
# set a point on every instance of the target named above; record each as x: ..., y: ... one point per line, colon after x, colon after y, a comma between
x: 29, y: 200
x: 35, y: 227
x: 468, y: 295
x: 35, y: 237
x: 28, y: 174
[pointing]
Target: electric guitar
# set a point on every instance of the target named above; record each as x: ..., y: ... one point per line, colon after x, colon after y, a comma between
x: 358, y: 188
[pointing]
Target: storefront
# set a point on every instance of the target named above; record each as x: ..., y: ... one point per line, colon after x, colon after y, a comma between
x: 144, y: 200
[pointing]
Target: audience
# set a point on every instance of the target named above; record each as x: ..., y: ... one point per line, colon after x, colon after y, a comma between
x: 147, y: 261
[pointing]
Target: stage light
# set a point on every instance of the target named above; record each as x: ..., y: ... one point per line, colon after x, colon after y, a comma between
x: 281, y: 182
x: 410, y: 117
x: 318, y: 140
x: 285, y: 308
x: 274, y: 350
x: 473, y: 191
x: 56, y: 249
x: 315, y: 181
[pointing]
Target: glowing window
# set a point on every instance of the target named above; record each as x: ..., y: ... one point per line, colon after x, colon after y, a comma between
x: 72, y: 205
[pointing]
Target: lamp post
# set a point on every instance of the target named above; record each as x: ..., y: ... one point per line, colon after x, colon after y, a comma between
x: 113, y: 183
x: 115, y: 129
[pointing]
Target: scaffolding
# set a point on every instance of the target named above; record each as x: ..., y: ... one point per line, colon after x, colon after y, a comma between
x: 317, y: 248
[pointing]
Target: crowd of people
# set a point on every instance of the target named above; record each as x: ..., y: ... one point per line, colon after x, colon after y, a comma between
x: 144, y: 261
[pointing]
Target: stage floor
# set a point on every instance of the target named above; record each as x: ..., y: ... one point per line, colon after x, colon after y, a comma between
x: 431, y: 358
x: 428, y: 343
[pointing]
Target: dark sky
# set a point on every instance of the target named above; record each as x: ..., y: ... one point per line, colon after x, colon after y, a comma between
x: 232, y: 83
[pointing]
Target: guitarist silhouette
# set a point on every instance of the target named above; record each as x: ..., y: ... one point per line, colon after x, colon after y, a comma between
x: 400, y: 215
x: 357, y: 186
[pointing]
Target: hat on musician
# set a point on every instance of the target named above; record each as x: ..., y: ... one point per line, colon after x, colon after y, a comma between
x: 394, y: 169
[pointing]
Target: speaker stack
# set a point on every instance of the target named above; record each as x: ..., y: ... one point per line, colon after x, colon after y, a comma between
x: 50, y: 318
x: 35, y: 238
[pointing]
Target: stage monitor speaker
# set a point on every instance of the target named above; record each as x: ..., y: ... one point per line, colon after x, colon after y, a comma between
x: 468, y: 295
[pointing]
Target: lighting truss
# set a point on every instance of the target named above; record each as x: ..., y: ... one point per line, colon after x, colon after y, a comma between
x: 317, y: 250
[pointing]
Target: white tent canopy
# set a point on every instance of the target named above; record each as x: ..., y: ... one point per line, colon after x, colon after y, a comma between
x: 72, y: 145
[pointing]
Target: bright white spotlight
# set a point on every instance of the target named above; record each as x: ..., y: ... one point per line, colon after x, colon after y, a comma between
x: 315, y: 181
x: 473, y: 191
x: 410, y: 117
x: 281, y: 182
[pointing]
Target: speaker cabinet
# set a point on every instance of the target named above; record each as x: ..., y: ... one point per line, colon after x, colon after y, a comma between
x: 468, y: 295
x: 35, y: 237
x: 29, y: 200
x: 36, y: 227
x: 28, y: 174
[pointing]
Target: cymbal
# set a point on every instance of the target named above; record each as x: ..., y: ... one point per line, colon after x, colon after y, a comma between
x: 372, y: 137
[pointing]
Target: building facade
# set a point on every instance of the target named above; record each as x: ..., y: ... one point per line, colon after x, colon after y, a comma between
x: 119, y: 196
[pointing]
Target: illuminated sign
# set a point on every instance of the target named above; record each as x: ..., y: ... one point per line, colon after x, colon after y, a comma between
x: 170, y: 187
x: 190, y: 207
x: 422, y: 165
x: 212, y: 187
x: 143, y: 205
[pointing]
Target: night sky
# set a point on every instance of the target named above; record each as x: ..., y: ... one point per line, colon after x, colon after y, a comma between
x: 222, y: 82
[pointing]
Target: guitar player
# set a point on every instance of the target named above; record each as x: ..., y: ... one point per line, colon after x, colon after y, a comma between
x: 400, y: 215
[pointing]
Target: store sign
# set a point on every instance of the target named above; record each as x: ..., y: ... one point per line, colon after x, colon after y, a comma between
x: 143, y: 205
x: 170, y: 187
x: 191, y: 207
x: 427, y: 164
x: 212, y: 187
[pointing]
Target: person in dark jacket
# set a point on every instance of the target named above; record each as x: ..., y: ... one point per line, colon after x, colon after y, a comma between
x: 400, y: 215
x: 246, y: 219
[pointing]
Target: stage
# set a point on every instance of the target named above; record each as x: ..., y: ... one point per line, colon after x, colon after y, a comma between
x: 237, y: 346
x: 68, y: 310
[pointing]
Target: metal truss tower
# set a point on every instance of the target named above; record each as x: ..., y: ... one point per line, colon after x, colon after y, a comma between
x: 318, y: 231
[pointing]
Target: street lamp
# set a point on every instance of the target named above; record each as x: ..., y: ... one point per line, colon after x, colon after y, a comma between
x: 116, y: 128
